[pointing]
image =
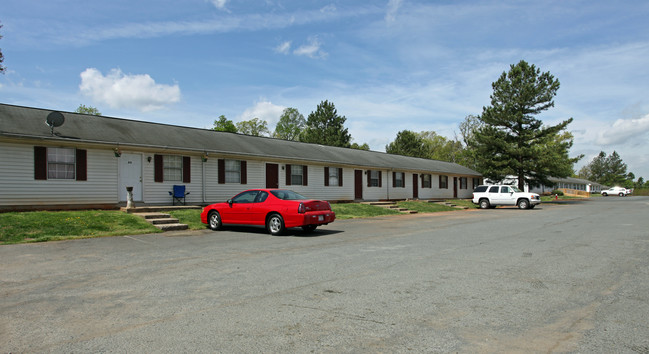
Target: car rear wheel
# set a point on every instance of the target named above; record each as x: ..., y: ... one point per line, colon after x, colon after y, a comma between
x: 621, y: 194
x: 309, y: 228
x: 275, y: 224
x: 605, y: 194
x: 214, y: 220
x: 523, y: 204
x: 484, y: 204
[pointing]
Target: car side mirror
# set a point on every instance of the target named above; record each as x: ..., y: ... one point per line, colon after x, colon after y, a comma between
x: 230, y: 202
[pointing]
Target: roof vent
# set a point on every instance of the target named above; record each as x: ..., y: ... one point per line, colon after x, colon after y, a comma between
x: 55, y: 119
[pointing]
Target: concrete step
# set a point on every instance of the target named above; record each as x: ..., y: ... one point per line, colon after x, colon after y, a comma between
x: 172, y: 227
x: 391, y: 205
x: 382, y: 204
x: 163, y: 221
x: 149, y: 216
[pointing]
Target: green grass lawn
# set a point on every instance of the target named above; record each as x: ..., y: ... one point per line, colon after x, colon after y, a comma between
x: 41, y: 226
x: 424, y: 207
x: 355, y: 210
x: 190, y: 217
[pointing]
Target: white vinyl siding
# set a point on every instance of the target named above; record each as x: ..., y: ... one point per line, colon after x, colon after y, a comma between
x: 20, y: 188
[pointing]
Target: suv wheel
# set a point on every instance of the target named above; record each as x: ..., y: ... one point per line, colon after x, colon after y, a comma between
x: 484, y: 204
x: 523, y: 204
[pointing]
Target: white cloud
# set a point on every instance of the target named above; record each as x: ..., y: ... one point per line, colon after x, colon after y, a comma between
x: 219, y: 4
x: 393, y: 7
x: 311, y: 49
x: 119, y: 90
x: 264, y: 110
x: 283, y: 48
x: 624, y: 130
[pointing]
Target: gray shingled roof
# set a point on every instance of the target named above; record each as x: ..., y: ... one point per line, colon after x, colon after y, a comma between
x: 27, y: 122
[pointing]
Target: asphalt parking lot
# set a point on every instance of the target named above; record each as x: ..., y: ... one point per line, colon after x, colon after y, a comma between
x: 570, y: 277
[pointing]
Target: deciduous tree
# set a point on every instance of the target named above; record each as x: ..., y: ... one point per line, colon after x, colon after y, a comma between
x: 224, y: 125
x: 83, y: 109
x: 254, y: 127
x: 407, y: 143
x: 290, y: 125
x: 363, y: 146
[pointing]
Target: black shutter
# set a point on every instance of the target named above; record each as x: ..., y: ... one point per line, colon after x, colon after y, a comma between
x: 394, y: 179
x: 221, y: 172
x: 340, y: 177
x: 369, y: 178
x: 158, y: 170
x: 288, y: 174
x: 326, y: 176
x: 82, y: 165
x: 244, y: 172
x: 380, y: 179
x: 305, y: 175
x: 40, y: 162
x: 187, y: 169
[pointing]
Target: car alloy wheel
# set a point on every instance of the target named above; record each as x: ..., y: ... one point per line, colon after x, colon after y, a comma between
x: 214, y: 220
x: 275, y: 224
x: 523, y: 204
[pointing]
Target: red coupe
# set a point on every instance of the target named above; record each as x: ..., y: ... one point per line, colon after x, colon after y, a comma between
x: 276, y: 209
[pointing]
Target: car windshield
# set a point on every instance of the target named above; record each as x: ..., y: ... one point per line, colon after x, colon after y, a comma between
x: 287, y: 195
x: 515, y: 189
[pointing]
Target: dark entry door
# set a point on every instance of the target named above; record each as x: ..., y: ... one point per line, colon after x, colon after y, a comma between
x: 272, y: 175
x: 358, y: 184
x: 415, y: 185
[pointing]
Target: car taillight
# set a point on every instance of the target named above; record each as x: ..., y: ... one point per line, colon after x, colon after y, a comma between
x: 301, y: 209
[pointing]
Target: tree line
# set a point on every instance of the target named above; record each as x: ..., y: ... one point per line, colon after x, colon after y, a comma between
x: 610, y: 170
x: 323, y: 126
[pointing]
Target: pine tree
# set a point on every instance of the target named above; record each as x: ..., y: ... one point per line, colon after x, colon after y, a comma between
x: 326, y: 127
x: 511, y: 141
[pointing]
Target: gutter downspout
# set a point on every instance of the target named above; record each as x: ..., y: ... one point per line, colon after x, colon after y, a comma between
x: 203, y: 180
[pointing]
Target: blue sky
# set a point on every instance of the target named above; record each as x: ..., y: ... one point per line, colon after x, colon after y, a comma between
x: 387, y: 65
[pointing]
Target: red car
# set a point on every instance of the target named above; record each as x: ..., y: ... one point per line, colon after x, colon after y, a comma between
x: 276, y: 209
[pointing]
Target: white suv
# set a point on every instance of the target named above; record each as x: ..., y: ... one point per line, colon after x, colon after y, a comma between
x: 621, y: 191
x: 490, y: 196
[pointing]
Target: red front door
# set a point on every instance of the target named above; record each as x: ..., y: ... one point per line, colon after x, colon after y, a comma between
x: 272, y: 175
x: 358, y: 184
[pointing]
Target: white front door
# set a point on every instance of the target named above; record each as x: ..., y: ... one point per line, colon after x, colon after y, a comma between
x: 130, y: 175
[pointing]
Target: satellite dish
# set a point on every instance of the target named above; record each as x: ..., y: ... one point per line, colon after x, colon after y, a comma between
x: 55, y: 119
